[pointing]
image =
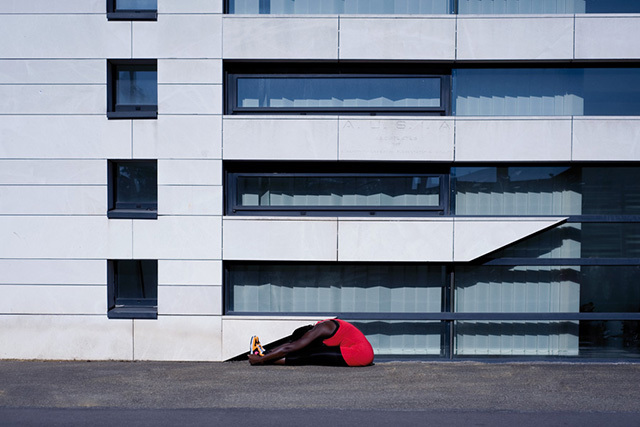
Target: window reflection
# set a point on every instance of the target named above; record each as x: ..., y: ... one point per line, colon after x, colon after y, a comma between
x: 547, y: 92
x: 338, y: 92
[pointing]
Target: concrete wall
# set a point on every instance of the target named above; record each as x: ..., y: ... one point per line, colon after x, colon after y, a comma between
x: 55, y: 141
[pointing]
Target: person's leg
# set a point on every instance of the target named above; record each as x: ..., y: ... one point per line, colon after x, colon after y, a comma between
x: 317, y: 354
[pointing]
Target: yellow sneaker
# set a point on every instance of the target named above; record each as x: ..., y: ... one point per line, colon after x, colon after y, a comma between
x: 255, y: 347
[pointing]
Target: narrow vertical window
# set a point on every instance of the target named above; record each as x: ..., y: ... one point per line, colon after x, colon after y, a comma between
x: 132, y: 289
x: 133, y: 189
x: 132, y: 10
x: 132, y: 91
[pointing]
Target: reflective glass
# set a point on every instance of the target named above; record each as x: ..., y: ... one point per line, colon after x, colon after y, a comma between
x: 546, y: 190
x: 610, y: 339
x: 519, y: 289
x: 338, y: 92
x: 547, y: 6
x: 579, y: 240
x: 331, y: 288
x: 548, y: 289
x: 339, y: 6
x: 540, y: 338
x: 136, y: 280
x: 526, y: 190
x: 136, y: 85
x: 136, y: 5
x: 547, y: 92
x: 136, y: 184
x: 342, y: 191
x: 402, y: 338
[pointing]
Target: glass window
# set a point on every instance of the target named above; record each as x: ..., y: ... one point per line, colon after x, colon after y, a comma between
x: 546, y: 190
x: 138, y: 10
x: 333, y: 93
x: 133, y: 288
x: 330, y: 193
x: 547, y: 6
x: 618, y: 339
x: 547, y: 92
x: 133, y: 189
x: 548, y: 289
x: 482, y: 338
x: 136, y: 4
x: 580, y: 240
x: 333, y: 288
x: 403, y: 338
x: 307, y: 7
x: 133, y: 91
x: 431, y: 6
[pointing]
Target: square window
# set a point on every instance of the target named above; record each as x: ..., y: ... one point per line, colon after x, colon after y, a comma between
x: 132, y: 10
x: 133, y: 189
x: 132, y: 289
x: 132, y: 89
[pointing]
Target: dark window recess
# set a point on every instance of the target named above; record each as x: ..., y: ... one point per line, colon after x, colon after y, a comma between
x: 132, y: 91
x: 328, y: 89
x: 346, y: 190
x: 132, y: 10
x: 133, y: 189
x: 132, y: 289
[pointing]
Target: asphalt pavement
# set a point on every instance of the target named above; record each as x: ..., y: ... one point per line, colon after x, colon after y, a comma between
x: 389, y: 393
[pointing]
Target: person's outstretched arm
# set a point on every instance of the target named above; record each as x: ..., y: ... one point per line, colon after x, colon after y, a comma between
x: 324, y: 329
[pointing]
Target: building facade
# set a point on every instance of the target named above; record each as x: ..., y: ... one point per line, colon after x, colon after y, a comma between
x: 460, y: 178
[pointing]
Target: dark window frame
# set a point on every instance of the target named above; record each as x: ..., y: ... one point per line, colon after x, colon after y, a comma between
x: 115, y: 14
x: 119, y: 210
x: 129, y: 308
x: 232, y: 107
x: 116, y: 111
x: 235, y: 170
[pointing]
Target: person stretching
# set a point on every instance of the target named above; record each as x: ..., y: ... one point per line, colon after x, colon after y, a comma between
x: 331, y: 342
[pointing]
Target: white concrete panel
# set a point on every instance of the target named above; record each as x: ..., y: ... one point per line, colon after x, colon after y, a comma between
x: 65, y: 338
x: 42, y: 71
x: 66, y: 137
x: 53, y: 200
x: 238, y: 330
x: 189, y: 6
x: 178, y: 338
x: 398, y: 38
x: 395, y: 240
x: 190, y: 71
x: 189, y: 272
x: 475, y: 237
x: 178, y: 137
x: 178, y: 36
x: 606, y: 139
x: 53, y: 99
x: 280, y: 239
x: 53, y: 272
x: 189, y: 99
x: 189, y: 172
x: 64, y: 36
x: 279, y: 37
x: 521, y: 139
x: 187, y: 200
x: 48, y: 299
x: 171, y: 237
x: 280, y: 138
x: 190, y: 300
x: 607, y: 37
x: 48, y: 6
x: 390, y: 138
x: 548, y: 37
x: 53, y: 172
x: 81, y: 237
